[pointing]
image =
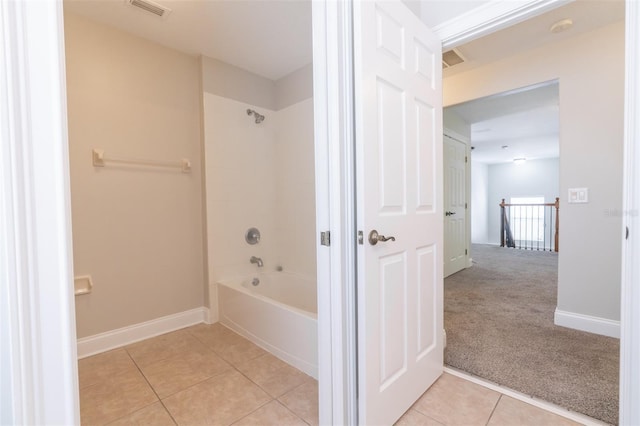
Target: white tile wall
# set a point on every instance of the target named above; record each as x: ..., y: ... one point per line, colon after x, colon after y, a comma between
x: 295, y: 209
x: 258, y: 175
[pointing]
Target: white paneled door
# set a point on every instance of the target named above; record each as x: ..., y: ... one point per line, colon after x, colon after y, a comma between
x: 398, y: 93
x: 455, y: 206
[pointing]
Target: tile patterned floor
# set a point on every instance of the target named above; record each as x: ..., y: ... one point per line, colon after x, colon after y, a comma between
x: 207, y: 374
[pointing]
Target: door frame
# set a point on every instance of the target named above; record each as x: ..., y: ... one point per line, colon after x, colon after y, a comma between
x: 334, y: 141
x: 57, y: 398
x: 38, y: 357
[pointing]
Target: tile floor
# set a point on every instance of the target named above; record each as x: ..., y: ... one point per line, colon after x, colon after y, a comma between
x: 207, y: 374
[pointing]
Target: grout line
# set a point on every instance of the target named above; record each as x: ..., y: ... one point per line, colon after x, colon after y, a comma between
x: 494, y: 409
x: 248, y: 414
x: 232, y: 368
x: 168, y: 412
x: 151, y: 387
x: 539, y: 403
x: 133, y: 412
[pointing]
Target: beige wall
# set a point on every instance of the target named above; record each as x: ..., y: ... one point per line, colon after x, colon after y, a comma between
x: 590, y: 69
x: 138, y: 232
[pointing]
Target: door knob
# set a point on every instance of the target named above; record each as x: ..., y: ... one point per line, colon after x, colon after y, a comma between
x: 374, y: 237
x: 449, y: 213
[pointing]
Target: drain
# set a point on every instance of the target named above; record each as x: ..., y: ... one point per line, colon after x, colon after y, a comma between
x: 255, y: 282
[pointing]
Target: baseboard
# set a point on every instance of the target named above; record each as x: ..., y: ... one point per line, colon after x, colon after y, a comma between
x: 102, y: 342
x: 603, y: 326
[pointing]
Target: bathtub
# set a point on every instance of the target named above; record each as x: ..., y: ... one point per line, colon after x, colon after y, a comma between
x: 277, y: 311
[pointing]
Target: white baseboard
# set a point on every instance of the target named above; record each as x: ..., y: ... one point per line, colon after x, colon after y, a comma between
x: 603, y: 326
x: 102, y: 342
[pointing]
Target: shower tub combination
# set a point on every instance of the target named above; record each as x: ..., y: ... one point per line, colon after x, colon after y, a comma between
x: 277, y: 311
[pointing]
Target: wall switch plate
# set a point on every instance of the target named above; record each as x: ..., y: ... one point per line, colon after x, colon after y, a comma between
x: 578, y: 195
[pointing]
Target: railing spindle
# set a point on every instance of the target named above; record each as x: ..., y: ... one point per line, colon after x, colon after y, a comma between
x: 525, y: 214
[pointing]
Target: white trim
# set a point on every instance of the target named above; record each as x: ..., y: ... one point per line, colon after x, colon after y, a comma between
x: 490, y: 17
x: 602, y: 326
x: 457, y: 136
x: 630, y: 288
x: 103, y: 342
x: 334, y: 148
x: 547, y: 406
x: 37, y: 355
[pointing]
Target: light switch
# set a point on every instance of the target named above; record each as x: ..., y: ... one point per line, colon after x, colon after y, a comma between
x: 578, y: 195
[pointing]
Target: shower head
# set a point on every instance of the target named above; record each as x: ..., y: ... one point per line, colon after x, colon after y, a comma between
x: 259, y: 117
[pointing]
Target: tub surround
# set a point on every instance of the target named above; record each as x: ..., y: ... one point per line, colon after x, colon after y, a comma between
x: 258, y: 174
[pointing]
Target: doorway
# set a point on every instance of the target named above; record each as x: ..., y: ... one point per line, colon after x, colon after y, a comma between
x: 496, y: 75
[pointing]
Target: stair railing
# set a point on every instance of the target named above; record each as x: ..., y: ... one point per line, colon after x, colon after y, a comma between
x: 526, y: 226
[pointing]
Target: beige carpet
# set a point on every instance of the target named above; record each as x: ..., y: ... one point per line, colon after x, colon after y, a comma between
x: 498, y: 316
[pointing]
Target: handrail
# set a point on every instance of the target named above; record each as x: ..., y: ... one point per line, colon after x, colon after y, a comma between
x: 505, y: 229
x: 100, y: 160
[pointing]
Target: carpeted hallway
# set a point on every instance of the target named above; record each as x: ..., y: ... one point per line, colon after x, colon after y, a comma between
x: 498, y: 316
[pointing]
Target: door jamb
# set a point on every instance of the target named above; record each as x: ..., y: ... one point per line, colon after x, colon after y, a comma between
x: 335, y: 210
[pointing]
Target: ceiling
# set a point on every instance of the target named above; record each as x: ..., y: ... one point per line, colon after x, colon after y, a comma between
x: 271, y: 38
x: 526, y: 120
x: 587, y: 15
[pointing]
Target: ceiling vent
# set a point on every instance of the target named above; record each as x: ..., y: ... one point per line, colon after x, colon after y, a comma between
x: 450, y: 58
x: 150, y: 7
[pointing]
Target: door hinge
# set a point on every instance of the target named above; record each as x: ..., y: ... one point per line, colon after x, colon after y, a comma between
x: 360, y: 237
x: 466, y: 159
x: 465, y: 205
x: 325, y: 238
x: 626, y: 237
x: 466, y: 252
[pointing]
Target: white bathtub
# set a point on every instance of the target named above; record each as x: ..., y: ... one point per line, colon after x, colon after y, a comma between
x: 279, y: 314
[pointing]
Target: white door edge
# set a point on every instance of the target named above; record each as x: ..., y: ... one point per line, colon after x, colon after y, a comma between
x: 630, y: 286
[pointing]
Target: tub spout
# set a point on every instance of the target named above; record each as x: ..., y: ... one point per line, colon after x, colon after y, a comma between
x: 257, y: 261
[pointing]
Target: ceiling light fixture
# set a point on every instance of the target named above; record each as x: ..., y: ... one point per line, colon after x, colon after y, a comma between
x: 560, y: 26
x: 519, y: 160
